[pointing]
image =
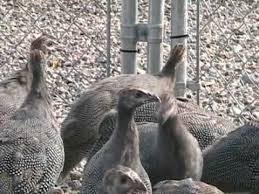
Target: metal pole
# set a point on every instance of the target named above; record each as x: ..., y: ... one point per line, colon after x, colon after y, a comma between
x: 108, y: 28
x: 129, y: 36
x: 179, y: 17
x: 155, y: 35
x: 198, y: 50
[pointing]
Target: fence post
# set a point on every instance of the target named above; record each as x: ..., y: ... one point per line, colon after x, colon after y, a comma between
x: 155, y: 35
x: 179, y: 17
x: 129, y: 36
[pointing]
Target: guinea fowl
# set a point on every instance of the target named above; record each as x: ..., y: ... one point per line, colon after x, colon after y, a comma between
x: 123, y: 146
x: 232, y: 163
x: 14, y: 89
x: 172, y: 144
x: 31, y: 149
x: 79, y: 130
x: 178, y: 153
x: 185, y: 186
x: 123, y: 180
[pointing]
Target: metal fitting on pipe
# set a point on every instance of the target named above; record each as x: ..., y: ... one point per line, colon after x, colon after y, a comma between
x: 155, y: 33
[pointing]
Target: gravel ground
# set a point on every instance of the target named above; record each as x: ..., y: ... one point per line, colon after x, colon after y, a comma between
x: 229, y: 51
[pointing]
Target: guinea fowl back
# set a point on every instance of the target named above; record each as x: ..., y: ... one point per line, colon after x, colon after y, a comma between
x: 232, y: 163
x: 14, y: 89
x: 80, y: 128
x: 31, y: 150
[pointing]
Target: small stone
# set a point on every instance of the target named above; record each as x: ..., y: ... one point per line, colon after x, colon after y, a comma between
x: 256, y: 115
x: 236, y: 110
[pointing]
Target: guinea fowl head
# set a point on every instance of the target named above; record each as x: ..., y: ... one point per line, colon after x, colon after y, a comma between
x: 167, y: 109
x: 123, y: 180
x: 131, y: 98
x: 41, y: 45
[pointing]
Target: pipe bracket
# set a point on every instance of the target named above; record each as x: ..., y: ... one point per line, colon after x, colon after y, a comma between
x: 129, y: 31
x: 155, y: 33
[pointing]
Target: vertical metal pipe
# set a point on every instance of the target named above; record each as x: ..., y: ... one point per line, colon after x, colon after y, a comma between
x: 155, y: 34
x: 198, y: 49
x: 179, y: 18
x: 108, y: 33
x: 129, y: 36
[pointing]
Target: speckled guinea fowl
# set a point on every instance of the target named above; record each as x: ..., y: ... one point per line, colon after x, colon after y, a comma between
x: 184, y: 149
x: 123, y: 146
x: 14, y: 89
x: 123, y: 180
x: 31, y: 149
x: 232, y: 163
x: 185, y: 186
x: 80, y: 128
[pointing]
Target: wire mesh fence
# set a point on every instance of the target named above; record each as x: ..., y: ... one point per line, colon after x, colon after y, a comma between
x: 228, y: 59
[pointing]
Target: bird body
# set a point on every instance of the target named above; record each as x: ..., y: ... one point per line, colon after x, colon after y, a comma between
x: 122, y: 147
x: 31, y: 149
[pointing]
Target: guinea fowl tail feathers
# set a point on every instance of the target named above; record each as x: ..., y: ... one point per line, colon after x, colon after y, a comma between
x: 177, y: 55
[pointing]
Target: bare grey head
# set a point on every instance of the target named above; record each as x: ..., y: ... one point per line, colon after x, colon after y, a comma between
x: 43, y: 43
x: 123, y: 180
x: 130, y: 98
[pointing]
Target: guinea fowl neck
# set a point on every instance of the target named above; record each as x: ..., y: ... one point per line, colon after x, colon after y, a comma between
x: 38, y: 94
x: 127, y: 136
x: 172, y: 131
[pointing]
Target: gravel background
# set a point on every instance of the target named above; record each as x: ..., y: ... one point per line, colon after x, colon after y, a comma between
x: 229, y: 50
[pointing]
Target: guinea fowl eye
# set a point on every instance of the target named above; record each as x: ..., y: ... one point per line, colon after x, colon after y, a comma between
x: 138, y: 95
x: 123, y: 180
